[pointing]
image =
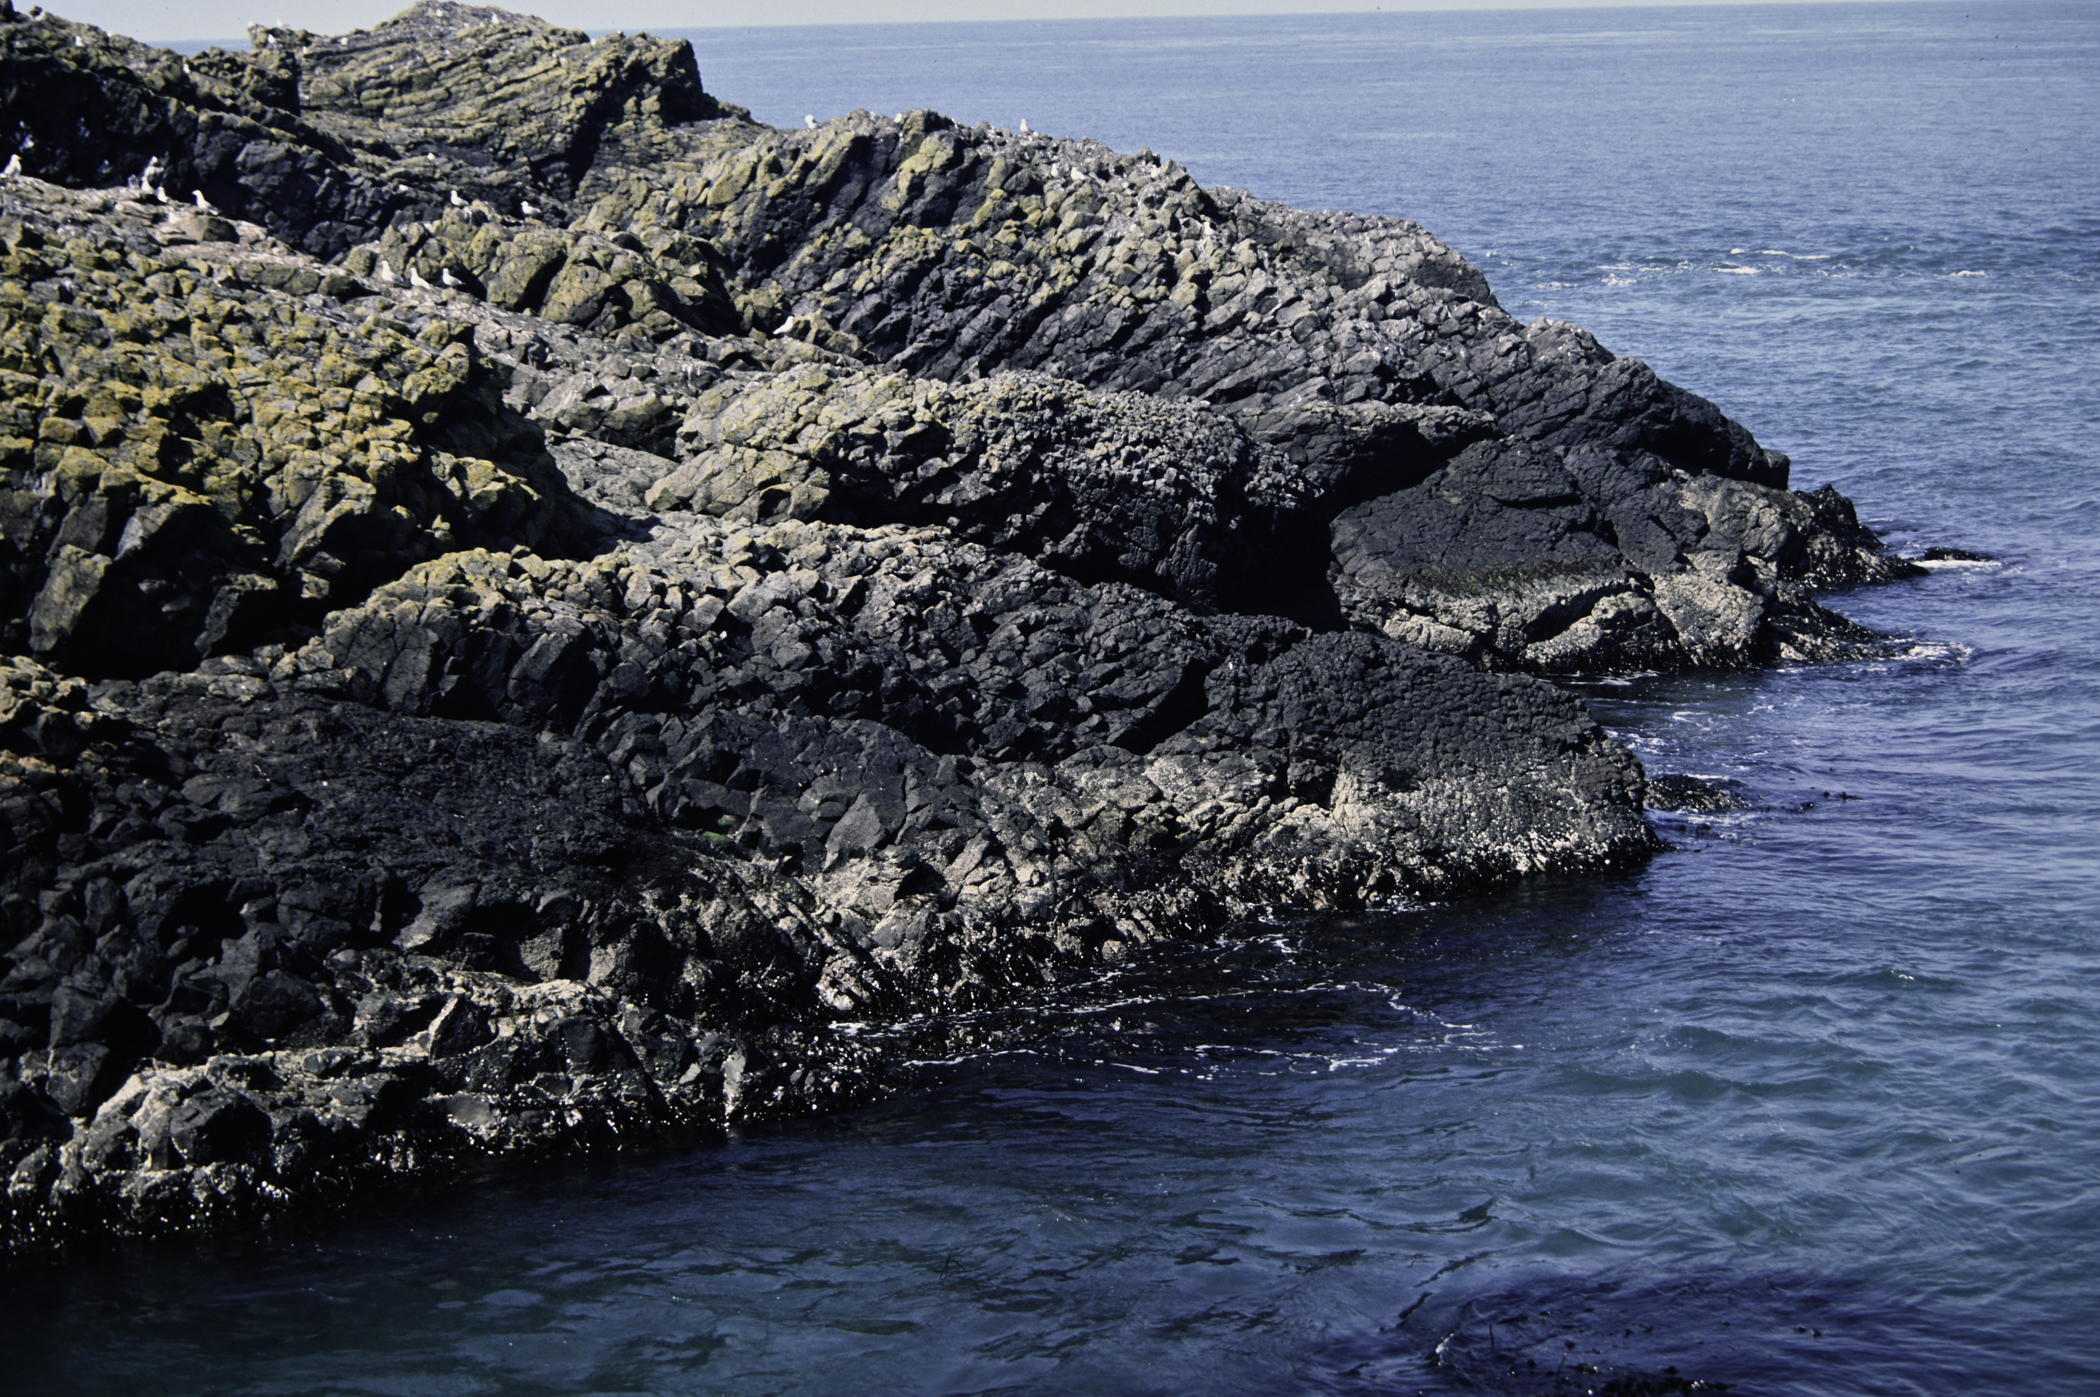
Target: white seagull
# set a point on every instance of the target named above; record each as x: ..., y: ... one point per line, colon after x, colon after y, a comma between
x: 152, y: 175
x: 415, y: 279
x: 14, y: 167
x: 456, y: 201
x: 160, y: 192
x: 528, y: 208
x: 812, y: 122
x: 204, y: 205
x: 386, y: 272
x: 451, y: 282
x: 1024, y: 127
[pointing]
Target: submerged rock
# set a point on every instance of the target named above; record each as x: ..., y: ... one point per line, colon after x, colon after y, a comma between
x: 1693, y: 794
x: 490, y: 679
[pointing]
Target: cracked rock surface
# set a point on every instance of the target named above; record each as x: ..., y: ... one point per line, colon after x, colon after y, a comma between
x: 479, y: 679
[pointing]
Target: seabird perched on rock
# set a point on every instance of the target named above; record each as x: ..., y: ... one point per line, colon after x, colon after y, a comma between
x: 812, y: 120
x: 1024, y: 127
x: 204, y: 205
x: 386, y: 272
x: 14, y: 166
x: 528, y: 208
x: 151, y: 176
x: 415, y: 279
x: 160, y: 192
x: 451, y: 282
x: 456, y: 201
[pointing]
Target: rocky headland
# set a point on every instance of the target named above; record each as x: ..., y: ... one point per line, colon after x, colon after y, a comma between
x: 536, y: 611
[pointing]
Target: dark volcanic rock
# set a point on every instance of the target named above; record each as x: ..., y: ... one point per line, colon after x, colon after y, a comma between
x: 327, y: 140
x: 670, y: 595
x: 1690, y: 793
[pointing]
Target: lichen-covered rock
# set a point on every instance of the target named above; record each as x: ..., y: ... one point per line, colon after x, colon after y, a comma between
x: 196, y: 460
x: 663, y: 283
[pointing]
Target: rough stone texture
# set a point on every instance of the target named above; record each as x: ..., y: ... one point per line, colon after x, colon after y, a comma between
x: 551, y: 677
x: 1513, y: 493
x: 328, y: 140
x: 197, y: 459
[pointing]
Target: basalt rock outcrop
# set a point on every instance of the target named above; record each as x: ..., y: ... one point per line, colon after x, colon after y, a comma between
x: 553, y: 612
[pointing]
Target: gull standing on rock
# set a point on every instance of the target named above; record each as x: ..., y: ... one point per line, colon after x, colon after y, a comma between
x: 528, y: 208
x: 204, y: 205
x: 456, y: 201
x: 160, y: 192
x: 386, y: 272
x: 1024, y: 127
x: 14, y: 167
x: 812, y: 120
x: 152, y: 175
x: 452, y: 283
x: 415, y: 279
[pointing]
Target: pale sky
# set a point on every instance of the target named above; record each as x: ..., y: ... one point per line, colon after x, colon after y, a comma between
x: 229, y: 19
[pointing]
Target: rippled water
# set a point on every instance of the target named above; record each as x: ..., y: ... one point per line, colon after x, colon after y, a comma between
x: 1810, y: 1105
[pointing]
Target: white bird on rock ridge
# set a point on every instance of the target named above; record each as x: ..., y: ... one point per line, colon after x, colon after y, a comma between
x: 812, y: 122
x: 1024, y: 127
x: 14, y: 167
x: 160, y: 192
x: 452, y: 283
x: 456, y: 201
x: 528, y: 208
x: 204, y: 205
x: 900, y: 116
x: 386, y: 272
x: 152, y: 174
x: 415, y: 279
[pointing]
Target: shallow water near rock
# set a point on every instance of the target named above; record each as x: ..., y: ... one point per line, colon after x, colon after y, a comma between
x: 1805, y: 1106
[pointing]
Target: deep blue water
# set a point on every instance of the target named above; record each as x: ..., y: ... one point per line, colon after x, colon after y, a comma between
x: 1810, y: 1105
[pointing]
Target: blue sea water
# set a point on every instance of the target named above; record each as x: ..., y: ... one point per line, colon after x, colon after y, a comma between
x: 1809, y: 1105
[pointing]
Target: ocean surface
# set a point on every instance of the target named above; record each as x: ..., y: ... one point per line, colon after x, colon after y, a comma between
x: 1808, y: 1105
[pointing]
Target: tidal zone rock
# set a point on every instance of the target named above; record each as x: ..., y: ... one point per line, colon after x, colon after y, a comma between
x: 562, y: 611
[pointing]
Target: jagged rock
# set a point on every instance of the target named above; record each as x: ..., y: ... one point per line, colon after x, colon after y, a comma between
x: 664, y: 283
x: 546, y: 677
x: 192, y: 465
x: 326, y: 140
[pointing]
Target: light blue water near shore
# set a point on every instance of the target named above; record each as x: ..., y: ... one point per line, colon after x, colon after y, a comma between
x: 1809, y: 1106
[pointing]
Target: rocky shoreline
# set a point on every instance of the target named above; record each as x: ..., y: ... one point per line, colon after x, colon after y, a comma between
x: 539, y: 613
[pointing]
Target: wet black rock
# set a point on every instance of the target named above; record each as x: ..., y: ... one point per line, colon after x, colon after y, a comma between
x: 560, y: 611
x: 1693, y: 795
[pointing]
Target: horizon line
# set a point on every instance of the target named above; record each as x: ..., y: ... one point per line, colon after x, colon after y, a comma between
x: 1430, y: 7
